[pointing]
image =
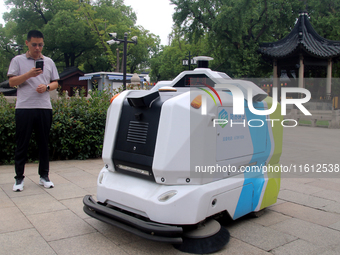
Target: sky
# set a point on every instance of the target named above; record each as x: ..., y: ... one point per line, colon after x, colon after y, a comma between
x: 153, y: 15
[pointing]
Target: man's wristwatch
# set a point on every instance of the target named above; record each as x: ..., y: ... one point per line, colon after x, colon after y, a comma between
x: 47, y: 87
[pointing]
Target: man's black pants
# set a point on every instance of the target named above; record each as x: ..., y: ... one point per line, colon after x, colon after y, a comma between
x: 27, y: 120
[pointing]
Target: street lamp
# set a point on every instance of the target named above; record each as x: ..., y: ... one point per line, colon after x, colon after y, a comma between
x: 189, y: 62
x: 17, y: 47
x: 125, y: 41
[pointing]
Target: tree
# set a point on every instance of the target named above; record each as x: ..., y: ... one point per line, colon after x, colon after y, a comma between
x: 65, y: 34
x: 325, y: 18
x: 67, y: 37
x: 167, y: 63
x: 139, y: 55
x: 235, y: 28
x: 76, y: 31
x: 8, y: 50
x: 105, y: 17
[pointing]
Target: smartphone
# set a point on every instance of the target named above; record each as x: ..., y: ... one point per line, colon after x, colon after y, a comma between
x: 39, y: 64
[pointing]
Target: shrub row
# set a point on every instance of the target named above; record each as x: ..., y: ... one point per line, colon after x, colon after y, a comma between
x: 77, y: 130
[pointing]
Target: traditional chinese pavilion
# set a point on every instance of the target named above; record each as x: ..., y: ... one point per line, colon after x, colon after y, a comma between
x: 302, y: 50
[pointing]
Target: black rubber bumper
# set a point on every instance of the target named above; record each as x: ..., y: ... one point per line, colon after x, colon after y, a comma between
x: 146, y: 229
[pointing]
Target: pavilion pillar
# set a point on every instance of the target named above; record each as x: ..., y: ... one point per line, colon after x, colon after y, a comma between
x: 301, y: 72
x: 329, y: 79
x: 275, y: 76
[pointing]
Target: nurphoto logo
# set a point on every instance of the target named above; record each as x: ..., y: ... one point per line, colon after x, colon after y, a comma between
x: 239, y: 108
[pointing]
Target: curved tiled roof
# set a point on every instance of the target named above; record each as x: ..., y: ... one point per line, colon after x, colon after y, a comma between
x: 303, y: 37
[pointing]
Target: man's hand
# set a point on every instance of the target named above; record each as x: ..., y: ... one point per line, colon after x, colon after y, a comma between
x: 17, y: 80
x: 34, y: 72
x: 41, y: 88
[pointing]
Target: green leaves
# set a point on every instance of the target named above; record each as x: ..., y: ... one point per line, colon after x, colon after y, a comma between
x: 75, y: 33
x: 78, y: 126
x: 7, y: 130
x: 235, y: 28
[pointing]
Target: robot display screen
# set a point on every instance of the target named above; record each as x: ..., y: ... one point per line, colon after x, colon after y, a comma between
x: 194, y: 80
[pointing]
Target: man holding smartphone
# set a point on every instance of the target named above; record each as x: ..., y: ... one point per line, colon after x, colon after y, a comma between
x: 33, y: 107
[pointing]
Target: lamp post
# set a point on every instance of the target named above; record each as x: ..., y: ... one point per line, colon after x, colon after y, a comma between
x: 17, y: 47
x: 125, y: 41
x: 189, y: 62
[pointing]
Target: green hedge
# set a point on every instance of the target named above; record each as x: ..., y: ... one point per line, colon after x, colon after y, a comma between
x: 77, y: 130
x: 7, y: 130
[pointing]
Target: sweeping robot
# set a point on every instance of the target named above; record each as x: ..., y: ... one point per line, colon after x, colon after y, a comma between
x: 187, y: 152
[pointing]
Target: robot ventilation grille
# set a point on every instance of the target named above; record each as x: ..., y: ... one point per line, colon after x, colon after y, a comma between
x: 138, y: 132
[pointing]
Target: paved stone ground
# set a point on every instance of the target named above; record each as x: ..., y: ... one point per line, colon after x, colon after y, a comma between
x: 305, y: 220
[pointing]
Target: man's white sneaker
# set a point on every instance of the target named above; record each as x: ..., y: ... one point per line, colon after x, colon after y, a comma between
x: 18, y: 185
x: 45, y: 181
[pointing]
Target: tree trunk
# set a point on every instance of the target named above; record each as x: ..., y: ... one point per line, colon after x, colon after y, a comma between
x: 67, y: 60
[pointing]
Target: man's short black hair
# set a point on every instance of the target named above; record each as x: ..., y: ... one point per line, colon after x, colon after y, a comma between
x: 35, y: 34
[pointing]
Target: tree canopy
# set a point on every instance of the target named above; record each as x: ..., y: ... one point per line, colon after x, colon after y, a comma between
x: 230, y: 31
x: 75, y: 33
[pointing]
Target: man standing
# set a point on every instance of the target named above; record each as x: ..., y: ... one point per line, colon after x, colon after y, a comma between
x: 33, y: 109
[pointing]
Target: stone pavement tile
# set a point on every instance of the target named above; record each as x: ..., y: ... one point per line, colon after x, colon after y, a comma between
x: 319, y: 175
x: 66, y: 191
x: 237, y: 247
x: 11, y: 219
x: 31, y: 169
x: 299, y: 247
x: 30, y: 188
x: 307, y: 214
x: 299, y: 180
x: 6, y: 178
x: 335, y: 226
x: 89, y: 244
x: 94, y: 171
x: 24, y: 242
x: 288, y: 184
x: 114, y: 234
x: 5, y: 201
x: 91, y: 190
x: 148, y: 247
x: 269, y: 218
x: 60, y: 224
x: 332, y: 250
x: 76, y: 206
x: 90, y: 165
x: 278, y: 201
x: 54, y: 177
x: 96, y: 160
x: 264, y: 238
x: 38, y: 204
x: 234, y: 247
x: 292, y: 175
x: 65, y: 168
x: 80, y: 178
x: 303, y: 199
x: 309, y: 232
x: 7, y: 169
x: 328, y: 194
x: 60, y: 164
x: 336, y: 180
x: 334, y: 208
x: 326, y: 184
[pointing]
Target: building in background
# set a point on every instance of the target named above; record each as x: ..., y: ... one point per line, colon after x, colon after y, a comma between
x: 110, y: 80
x: 70, y: 82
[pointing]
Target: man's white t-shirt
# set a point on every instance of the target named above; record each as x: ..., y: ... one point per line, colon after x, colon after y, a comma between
x: 27, y: 96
